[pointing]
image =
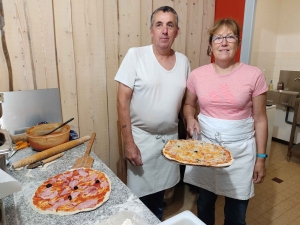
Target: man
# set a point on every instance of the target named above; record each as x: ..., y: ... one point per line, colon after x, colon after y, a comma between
x: 152, y: 81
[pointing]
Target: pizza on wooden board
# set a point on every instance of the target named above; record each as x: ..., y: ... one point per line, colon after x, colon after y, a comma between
x: 74, y: 191
x: 199, y: 153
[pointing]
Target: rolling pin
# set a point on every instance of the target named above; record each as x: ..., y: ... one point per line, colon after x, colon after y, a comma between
x: 49, y: 152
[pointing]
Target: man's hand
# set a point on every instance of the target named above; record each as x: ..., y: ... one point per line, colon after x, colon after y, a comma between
x: 133, y: 154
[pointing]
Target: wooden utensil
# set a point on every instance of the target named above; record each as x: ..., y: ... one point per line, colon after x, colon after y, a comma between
x: 49, y: 152
x: 86, y: 160
x: 43, y: 162
x: 122, y: 162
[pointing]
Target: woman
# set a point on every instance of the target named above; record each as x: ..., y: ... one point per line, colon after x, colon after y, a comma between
x: 231, y: 97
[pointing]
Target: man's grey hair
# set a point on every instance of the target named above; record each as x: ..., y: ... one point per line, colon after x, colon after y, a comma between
x: 164, y: 9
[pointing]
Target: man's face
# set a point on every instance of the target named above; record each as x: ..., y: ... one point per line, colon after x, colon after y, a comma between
x: 164, y: 30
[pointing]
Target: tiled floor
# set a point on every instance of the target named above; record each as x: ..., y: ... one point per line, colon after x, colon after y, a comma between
x: 273, y: 204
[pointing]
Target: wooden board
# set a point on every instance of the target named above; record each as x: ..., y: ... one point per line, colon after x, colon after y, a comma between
x: 181, y: 9
x: 129, y: 21
x: 146, y: 12
x: 194, y: 32
x: 39, y: 15
x: 66, y: 60
x: 86, y: 160
x: 88, y: 29
x: 122, y: 162
x: 207, y: 23
x: 16, y: 33
x: 112, y: 64
x: 159, y: 3
x: 4, y: 77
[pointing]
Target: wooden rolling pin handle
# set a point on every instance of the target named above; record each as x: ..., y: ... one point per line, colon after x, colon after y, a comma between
x: 53, y: 158
x: 49, y: 152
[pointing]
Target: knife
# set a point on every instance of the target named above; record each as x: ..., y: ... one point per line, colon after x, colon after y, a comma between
x: 43, y: 162
x: 14, y: 150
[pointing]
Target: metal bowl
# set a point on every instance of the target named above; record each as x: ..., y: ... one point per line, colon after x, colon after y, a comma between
x: 40, y: 143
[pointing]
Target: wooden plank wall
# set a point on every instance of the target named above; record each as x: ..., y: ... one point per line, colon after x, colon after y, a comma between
x: 78, y: 45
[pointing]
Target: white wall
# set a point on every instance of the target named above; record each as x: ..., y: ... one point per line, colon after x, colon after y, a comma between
x: 289, y: 27
x: 276, y: 37
x: 265, y: 36
x: 275, y: 47
x: 288, y: 37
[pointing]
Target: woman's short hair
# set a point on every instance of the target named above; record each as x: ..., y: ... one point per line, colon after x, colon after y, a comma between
x: 228, y: 22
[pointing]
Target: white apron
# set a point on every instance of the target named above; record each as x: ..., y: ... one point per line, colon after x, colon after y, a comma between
x: 236, y: 180
x: 157, y: 173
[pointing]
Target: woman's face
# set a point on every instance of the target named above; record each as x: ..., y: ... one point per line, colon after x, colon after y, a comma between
x: 225, y: 50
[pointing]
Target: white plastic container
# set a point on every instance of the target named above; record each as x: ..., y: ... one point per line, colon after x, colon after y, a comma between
x: 185, y: 217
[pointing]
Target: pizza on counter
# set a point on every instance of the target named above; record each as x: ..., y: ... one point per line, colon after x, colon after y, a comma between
x: 198, y: 153
x: 74, y: 191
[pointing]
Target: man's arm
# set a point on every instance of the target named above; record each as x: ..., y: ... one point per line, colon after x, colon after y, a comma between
x: 132, y: 153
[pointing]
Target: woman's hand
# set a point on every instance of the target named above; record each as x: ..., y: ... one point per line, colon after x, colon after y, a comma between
x: 259, y: 172
x: 189, y: 110
x: 133, y: 154
x: 191, y: 125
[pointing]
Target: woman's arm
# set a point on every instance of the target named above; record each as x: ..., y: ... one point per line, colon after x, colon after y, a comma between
x: 261, y: 135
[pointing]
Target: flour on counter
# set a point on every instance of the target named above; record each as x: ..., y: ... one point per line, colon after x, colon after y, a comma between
x: 20, y: 168
x: 28, y: 174
x: 127, y: 222
x: 124, y: 217
x: 48, y: 164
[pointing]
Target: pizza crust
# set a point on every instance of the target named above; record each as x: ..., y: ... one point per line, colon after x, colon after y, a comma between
x: 174, y: 152
x: 197, y: 164
x: 63, y: 213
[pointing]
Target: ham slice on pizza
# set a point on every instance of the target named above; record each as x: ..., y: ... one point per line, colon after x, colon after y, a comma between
x: 74, y: 191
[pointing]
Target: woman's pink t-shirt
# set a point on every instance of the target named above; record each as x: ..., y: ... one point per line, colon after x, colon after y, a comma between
x: 227, y: 96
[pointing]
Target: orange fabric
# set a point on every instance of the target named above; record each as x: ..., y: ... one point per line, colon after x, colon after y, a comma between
x: 21, y: 144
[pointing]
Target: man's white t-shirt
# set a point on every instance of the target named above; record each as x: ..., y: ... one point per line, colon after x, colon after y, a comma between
x: 157, y: 92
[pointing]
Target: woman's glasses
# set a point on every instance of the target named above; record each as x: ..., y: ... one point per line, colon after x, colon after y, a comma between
x: 229, y: 38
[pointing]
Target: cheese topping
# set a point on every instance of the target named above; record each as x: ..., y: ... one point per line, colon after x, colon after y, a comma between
x: 197, y: 153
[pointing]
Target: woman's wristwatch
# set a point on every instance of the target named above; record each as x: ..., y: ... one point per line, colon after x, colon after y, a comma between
x: 261, y: 156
